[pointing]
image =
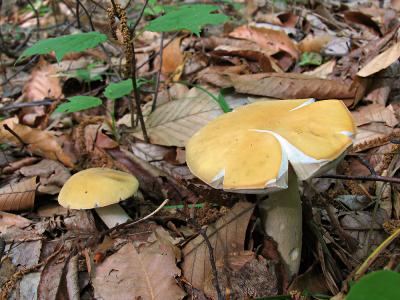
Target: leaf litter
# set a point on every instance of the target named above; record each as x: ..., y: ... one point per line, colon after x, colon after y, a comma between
x: 261, y: 52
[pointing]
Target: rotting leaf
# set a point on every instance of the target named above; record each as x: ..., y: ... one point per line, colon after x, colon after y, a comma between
x: 147, y: 273
x: 226, y: 236
x: 18, y: 196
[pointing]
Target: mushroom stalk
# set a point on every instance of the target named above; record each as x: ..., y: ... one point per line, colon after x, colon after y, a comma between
x: 112, y: 215
x: 282, y: 220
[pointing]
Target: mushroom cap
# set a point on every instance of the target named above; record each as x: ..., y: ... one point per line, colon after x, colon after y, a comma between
x: 97, y: 187
x: 248, y: 150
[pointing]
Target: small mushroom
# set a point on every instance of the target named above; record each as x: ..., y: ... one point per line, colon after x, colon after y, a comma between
x: 101, y: 189
x: 249, y: 151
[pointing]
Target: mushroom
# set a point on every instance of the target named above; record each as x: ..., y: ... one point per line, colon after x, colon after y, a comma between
x: 101, y: 189
x: 249, y: 151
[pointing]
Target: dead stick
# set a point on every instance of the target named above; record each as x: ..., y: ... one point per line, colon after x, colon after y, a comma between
x: 363, y: 178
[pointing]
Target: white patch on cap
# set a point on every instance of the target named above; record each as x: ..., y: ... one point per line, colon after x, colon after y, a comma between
x: 296, y: 157
x: 308, y: 102
x: 348, y: 133
x: 218, y: 179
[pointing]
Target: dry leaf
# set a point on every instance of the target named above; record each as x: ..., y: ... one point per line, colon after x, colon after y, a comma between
x: 52, y: 175
x: 290, y: 86
x: 375, y: 113
x: 362, y: 19
x: 39, y: 142
x: 155, y: 154
x: 266, y: 63
x: 172, y: 57
x: 323, y: 71
x: 145, y: 273
x: 313, y: 43
x: 381, y: 61
x: 173, y: 123
x: 50, y: 280
x: 226, y: 236
x: 18, y: 196
x: 272, y: 41
x: 43, y: 83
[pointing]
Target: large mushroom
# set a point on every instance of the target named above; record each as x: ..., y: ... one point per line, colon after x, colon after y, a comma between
x: 101, y: 189
x: 249, y: 151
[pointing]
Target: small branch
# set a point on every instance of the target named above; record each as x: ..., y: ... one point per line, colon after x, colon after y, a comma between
x: 37, y: 19
x: 154, y: 105
x: 131, y: 223
x: 203, y: 233
x: 139, y: 17
x: 136, y: 92
x: 363, y: 178
x: 25, y: 104
x: 6, y: 127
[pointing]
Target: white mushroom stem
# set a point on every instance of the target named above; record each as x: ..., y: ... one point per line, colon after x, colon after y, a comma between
x: 112, y: 215
x: 282, y: 219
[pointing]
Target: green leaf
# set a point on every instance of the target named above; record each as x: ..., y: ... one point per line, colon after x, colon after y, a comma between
x: 189, y: 17
x: 78, y: 103
x: 65, y: 44
x: 380, y: 285
x: 310, y: 59
x: 153, y: 9
x: 117, y: 90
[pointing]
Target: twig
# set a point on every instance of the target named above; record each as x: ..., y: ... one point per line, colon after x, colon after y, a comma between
x: 363, y: 178
x: 368, y: 262
x: 203, y: 233
x: 136, y: 92
x: 25, y: 104
x: 131, y: 223
x: 37, y: 19
x: 6, y: 127
x: 139, y: 18
x: 157, y: 52
x: 154, y: 105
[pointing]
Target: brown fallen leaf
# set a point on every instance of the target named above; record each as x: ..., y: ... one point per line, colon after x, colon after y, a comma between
x: 323, y: 71
x: 362, y: 19
x: 52, y: 175
x: 18, y: 196
x: 290, y: 86
x: 226, y: 236
x: 381, y: 61
x: 39, y: 142
x: 375, y: 113
x: 286, y: 19
x: 173, y: 123
x: 43, y: 83
x: 131, y: 273
x: 266, y: 63
x: 312, y: 43
x: 172, y: 57
x: 272, y: 41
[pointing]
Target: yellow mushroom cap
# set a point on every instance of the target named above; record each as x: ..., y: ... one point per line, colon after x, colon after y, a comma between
x: 97, y: 187
x: 249, y: 149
